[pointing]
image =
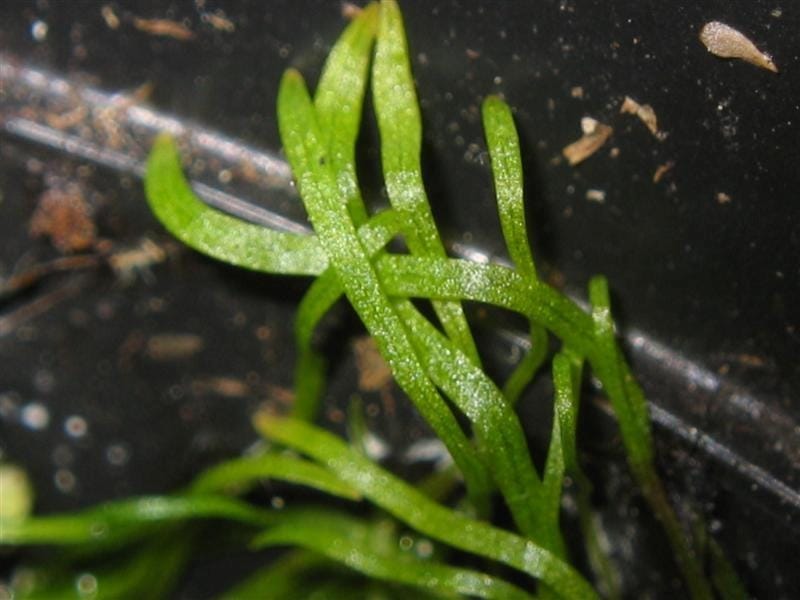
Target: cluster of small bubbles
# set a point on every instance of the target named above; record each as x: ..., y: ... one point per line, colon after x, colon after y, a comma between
x: 473, y: 154
x: 35, y: 415
x: 76, y: 426
x: 117, y: 455
x: 277, y: 502
x: 86, y: 585
x: 65, y: 481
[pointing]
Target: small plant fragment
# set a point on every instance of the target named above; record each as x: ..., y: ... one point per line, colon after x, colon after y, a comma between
x: 726, y: 42
x: 595, y: 134
x: 646, y: 115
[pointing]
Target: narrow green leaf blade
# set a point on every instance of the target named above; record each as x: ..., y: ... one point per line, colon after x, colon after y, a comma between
x: 373, y: 549
x: 338, y: 101
x: 350, y: 260
x: 118, y: 521
x: 503, y: 143
x: 412, y: 507
x: 219, y: 235
x: 400, y: 126
x: 241, y: 473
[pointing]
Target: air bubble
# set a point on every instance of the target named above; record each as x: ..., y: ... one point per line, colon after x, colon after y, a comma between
x: 76, y: 426
x: 86, y: 585
x: 35, y: 416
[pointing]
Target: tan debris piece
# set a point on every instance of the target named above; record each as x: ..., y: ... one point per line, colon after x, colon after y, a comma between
x: 646, y: 115
x: 595, y: 134
x: 725, y: 41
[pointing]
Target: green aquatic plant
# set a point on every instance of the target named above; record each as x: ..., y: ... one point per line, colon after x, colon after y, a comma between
x: 438, y: 368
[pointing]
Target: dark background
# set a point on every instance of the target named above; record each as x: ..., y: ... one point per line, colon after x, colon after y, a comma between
x: 705, y: 291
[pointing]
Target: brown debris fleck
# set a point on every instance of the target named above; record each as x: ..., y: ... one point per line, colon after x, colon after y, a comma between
x: 726, y: 42
x: 227, y: 387
x: 662, y: 170
x: 164, y: 28
x: 723, y: 198
x: 109, y: 16
x: 646, y: 115
x: 595, y: 134
x: 373, y: 372
x: 219, y: 21
x: 173, y: 346
x: 350, y: 10
x: 127, y: 263
x: 64, y: 216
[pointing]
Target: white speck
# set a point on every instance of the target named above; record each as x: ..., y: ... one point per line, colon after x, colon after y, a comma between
x: 225, y: 176
x: 498, y: 80
x: 39, y: 30
x: 35, y: 416
x: 776, y: 12
x: 427, y: 450
x: 375, y: 447
x: 277, y: 502
x: 75, y: 426
x: 598, y: 196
